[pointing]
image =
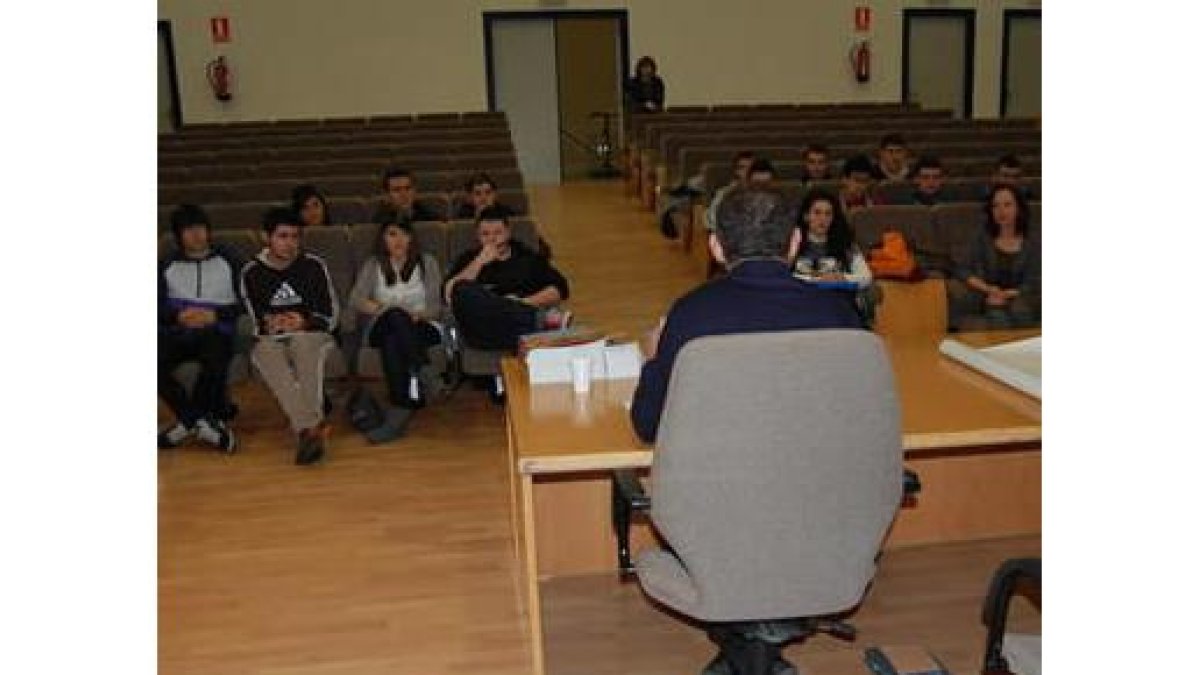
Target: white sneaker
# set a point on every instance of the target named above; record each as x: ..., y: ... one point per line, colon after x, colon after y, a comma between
x: 216, y: 433
x: 174, y: 436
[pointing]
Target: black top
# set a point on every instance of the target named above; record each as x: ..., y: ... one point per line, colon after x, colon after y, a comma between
x: 523, y: 273
x: 757, y: 296
x: 304, y: 287
x: 420, y: 211
x: 640, y: 92
x: 466, y: 211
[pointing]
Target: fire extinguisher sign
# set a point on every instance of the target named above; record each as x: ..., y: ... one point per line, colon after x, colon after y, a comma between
x: 220, y: 28
x: 862, y: 18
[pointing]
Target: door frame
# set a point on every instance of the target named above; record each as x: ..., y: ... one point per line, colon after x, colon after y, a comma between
x: 1009, y: 16
x: 164, y: 33
x: 621, y: 15
x: 910, y: 14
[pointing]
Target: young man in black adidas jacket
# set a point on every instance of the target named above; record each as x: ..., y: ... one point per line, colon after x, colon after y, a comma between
x: 198, y: 306
x: 289, y: 295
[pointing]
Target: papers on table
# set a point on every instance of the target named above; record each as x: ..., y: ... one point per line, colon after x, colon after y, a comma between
x: 608, y: 362
x: 1017, y: 364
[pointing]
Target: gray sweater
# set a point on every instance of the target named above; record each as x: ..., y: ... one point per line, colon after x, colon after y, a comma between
x: 364, y: 289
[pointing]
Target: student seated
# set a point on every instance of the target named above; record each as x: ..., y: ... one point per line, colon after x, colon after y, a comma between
x: 198, y: 305
x: 1003, y: 271
x: 891, y: 161
x: 502, y: 289
x: 397, y: 300
x: 756, y: 240
x: 928, y: 179
x: 400, y: 200
x: 857, y: 182
x: 816, y: 164
x: 290, y: 296
x: 828, y: 252
x: 741, y: 178
x: 1008, y: 171
x: 310, y: 206
x: 481, y: 194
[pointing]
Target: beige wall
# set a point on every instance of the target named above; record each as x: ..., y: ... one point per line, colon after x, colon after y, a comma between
x: 313, y: 58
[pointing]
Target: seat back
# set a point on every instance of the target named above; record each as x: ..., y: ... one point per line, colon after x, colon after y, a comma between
x: 914, y: 221
x: 778, y: 470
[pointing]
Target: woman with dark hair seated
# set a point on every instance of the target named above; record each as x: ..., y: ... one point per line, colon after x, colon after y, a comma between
x: 396, y: 298
x: 310, y: 206
x: 1004, y: 269
x: 828, y: 254
x: 645, y: 90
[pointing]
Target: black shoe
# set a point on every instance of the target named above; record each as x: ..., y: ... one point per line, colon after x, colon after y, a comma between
x: 311, y: 447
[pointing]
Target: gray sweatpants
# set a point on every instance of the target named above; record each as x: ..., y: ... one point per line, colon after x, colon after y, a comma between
x: 294, y: 369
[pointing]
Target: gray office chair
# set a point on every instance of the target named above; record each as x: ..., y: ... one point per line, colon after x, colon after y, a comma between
x: 776, y: 475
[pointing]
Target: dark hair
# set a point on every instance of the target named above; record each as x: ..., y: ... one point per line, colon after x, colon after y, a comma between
x: 645, y: 61
x: 385, y: 261
x: 926, y: 162
x: 301, y: 194
x: 187, y: 215
x: 396, y: 172
x: 492, y: 213
x: 819, y: 148
x: 762, y: 165
x: 1008, y: 162
x: 841, y: 240
x: 990, y: 224
x: 892, y: 139
x: 279, y: 215
x: 856, y: 164
x: 754, y: 222
x: 743, y: 154
x: 479, y: 178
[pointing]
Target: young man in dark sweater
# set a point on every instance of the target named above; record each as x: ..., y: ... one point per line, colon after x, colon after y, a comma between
x: 400, y: 202
x: 502, y: 289
x: 197, y: 307
x: 289, y: 295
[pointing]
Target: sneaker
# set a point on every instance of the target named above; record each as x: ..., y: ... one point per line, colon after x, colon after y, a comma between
x: 174, y: 436
x: 310, y: 447
x: 217, y: 434
x: 394, y: 426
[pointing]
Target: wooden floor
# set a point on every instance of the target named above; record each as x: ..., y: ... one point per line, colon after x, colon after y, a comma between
x: 398, y: 559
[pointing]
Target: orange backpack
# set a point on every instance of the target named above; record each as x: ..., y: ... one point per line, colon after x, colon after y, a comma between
x: 892, y: 259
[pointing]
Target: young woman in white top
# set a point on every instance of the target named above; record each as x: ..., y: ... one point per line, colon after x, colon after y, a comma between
x: 396, y: 297
x: 828, y: 251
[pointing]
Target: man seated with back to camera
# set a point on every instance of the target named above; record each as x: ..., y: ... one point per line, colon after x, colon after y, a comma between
x: 755, y: 240
x: 502, y: 289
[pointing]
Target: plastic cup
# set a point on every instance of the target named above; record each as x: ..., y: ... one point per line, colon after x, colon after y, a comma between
x: 581, y: 374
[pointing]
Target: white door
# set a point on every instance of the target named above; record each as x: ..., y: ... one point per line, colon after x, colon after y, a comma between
x: 1023, y: 88
x: 526, y: 86
x: 937, y: 62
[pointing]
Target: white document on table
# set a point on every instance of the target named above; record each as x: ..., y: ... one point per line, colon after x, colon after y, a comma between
x: 609, y: 362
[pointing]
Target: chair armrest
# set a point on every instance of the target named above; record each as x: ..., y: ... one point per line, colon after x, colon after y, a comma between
x: 995, y: 606
x: 628, y: 496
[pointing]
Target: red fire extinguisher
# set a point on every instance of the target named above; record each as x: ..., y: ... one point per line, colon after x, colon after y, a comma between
x: 218, y: 78
x: 860, y: 60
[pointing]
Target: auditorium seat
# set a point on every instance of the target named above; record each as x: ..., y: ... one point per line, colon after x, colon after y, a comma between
x: 349, y: 210
x: 915, y: 222
x: 233, y: 215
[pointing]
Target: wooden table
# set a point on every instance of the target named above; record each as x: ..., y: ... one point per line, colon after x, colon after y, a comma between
x: 975, y: 443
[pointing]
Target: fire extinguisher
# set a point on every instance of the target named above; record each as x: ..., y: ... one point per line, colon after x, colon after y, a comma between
x: 218, y: 78
x: 860, y: 60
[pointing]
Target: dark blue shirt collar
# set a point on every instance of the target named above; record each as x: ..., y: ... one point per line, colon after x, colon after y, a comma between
x: 757, y: 268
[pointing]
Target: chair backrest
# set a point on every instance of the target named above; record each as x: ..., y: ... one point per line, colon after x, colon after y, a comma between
x: 778, y: 470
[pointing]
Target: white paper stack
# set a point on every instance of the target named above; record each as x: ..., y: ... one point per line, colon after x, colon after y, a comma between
x: 609, y: 362
x: 1017, y: 364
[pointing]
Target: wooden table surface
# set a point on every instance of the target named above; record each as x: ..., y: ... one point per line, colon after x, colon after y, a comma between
x: 944, y: 405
